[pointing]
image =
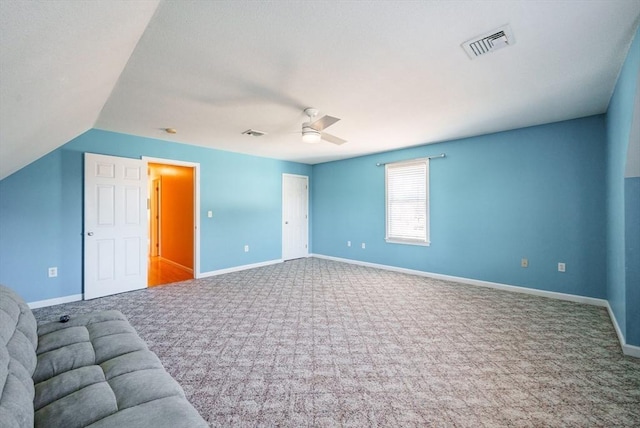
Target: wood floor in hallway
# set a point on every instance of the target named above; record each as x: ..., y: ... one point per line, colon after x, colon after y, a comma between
x: 163, y: 272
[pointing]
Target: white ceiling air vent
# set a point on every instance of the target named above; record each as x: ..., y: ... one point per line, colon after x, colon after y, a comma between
x: 489, y: 42
x: 254, y: 133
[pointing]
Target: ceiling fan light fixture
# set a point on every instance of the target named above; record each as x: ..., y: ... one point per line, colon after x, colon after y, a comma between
x: 310, y: 136
x: 313, y: 130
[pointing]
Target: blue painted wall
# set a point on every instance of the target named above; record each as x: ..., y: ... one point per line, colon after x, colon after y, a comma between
x: 32, y: 226
x: 536, y: 192
x: 41, y: 210
x: 619, y: 120
x: 632, y: 257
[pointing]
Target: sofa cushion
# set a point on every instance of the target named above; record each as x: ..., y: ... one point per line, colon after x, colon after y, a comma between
x: 163, y: 413
x: 63, y: 359
x: 18, y: 341
x: 65, y: 384
x: 79, y: 408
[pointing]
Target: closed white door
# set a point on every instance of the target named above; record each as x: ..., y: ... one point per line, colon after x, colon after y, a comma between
x: 115, y: 225
x: 295, y: 216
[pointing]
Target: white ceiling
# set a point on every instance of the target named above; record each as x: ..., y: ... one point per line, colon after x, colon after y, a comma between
x: 394, y: 72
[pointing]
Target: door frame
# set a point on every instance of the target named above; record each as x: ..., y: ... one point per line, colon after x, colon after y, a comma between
x: 154, y: 207
x: 196, y: 204
x: 306, y: 177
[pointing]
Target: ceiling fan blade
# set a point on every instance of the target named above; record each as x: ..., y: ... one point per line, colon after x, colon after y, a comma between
x: 324, y: 122
x: 332, y: 138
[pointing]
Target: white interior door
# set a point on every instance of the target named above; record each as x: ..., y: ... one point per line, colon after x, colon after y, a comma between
x: 115, y: 225
x: 295, y: 216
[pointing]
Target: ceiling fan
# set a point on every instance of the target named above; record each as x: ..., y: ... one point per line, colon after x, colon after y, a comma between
x: 312, y: 130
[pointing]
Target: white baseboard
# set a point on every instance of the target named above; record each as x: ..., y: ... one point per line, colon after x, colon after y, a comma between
x: 76, y: 297
x: 630, y: 350
x: 176, y: 264
x: 514, y: 288
x: 56, y: 301
x: 237, y: 268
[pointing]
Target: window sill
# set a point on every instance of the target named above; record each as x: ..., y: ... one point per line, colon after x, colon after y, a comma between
x: 400, y: 241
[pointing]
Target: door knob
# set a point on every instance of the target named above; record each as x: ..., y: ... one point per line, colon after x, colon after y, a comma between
x: 90, y: 233
x: 286, y: 222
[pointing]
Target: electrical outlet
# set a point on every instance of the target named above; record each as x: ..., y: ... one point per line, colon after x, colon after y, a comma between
x: 348, y: 243
x: 524, y: 263
x: 246, y: 248
x: 562, y: 267
x: 364, y: 246
x: 210, y: 214
x: 53, y: 272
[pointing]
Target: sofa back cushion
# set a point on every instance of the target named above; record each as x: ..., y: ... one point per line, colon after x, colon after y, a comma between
x: 18, y: 343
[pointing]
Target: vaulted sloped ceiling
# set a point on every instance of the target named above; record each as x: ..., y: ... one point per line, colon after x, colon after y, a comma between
x: 59, y: 62
x: 394, y: 72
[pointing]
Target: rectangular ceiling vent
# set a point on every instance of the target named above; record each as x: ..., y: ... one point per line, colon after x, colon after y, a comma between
x: 254, y: 133
x: 489, y: 42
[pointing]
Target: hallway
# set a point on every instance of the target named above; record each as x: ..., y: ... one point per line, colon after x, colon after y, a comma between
x: 162, y: 272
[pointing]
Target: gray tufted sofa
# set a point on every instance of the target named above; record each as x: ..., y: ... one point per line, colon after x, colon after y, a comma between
x: 93, y: 371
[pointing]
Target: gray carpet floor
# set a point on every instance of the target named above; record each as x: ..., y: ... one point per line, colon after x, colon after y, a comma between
x: 313, y: 342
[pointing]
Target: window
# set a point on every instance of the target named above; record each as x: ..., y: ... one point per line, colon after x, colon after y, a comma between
x: 407, y: 200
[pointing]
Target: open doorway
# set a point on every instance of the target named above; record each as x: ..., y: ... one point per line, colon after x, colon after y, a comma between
x: 172, y: 217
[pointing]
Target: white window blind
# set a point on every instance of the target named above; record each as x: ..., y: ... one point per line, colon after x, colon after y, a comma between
x: 407, y: 200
